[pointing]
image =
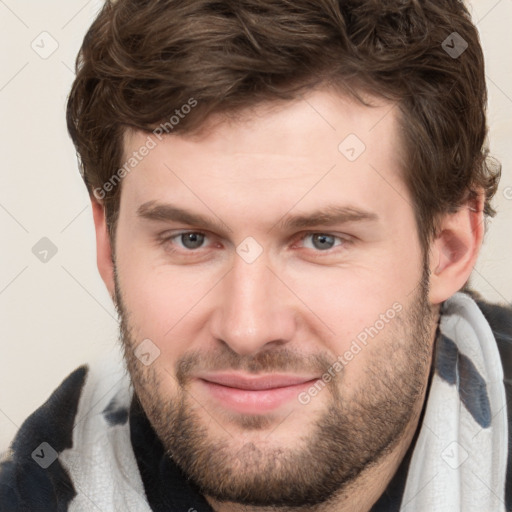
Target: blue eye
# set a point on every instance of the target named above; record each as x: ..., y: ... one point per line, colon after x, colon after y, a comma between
x: 191, y: 239
x: 323, y: 241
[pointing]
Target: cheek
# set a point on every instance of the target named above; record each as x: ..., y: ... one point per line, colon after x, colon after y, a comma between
x: 362, y: 308
x: 162, y: 301
x: 352, y: 297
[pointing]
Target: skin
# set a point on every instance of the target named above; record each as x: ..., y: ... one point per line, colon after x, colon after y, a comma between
x: 294, y: 300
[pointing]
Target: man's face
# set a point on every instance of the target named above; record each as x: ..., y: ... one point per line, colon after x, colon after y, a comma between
x: 292, y: 349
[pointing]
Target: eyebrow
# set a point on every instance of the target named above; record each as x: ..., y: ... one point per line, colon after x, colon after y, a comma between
x: 329, y: 215
x: 155, y: 211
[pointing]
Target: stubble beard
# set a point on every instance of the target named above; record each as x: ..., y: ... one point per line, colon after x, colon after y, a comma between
x: 346, y: 439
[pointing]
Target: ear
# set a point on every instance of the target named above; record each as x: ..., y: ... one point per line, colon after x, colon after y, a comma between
x: 454, y: 251
x: 103, y: 247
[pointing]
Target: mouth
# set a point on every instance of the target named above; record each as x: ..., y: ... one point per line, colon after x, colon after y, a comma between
x: 254, y: 394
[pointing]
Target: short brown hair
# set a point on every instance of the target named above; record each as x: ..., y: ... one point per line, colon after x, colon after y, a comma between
x: 143, y: 59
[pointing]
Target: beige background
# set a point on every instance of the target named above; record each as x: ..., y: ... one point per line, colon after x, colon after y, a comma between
x: 57, y: 315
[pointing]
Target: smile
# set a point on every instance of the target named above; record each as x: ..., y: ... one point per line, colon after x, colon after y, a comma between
x: 254, y: 394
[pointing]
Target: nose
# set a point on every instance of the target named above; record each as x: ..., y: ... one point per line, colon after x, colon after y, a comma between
x: 254, y: 308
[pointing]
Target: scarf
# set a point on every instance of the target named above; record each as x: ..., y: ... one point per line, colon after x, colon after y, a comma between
x: 460, y: 459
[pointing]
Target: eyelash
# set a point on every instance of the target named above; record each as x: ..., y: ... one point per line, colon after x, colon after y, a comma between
x: 345, y: 240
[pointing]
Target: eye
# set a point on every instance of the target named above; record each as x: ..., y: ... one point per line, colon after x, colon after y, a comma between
x: 188, y: 240
x: 323, y: 241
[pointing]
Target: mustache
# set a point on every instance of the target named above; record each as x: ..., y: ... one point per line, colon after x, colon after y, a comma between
x: 282, y: 360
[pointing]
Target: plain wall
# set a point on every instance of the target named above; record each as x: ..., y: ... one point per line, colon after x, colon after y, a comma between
x: 56, y: 315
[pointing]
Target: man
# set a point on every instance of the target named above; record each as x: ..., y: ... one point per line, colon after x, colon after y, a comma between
x: 288, y: 198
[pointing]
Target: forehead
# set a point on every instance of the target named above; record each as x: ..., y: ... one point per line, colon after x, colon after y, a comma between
x: 320, y: 116
x: 323, y: 143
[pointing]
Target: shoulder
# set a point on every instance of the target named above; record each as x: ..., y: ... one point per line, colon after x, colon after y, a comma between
x: 50, y: 460
x: 31, y: 476
x: 499, y: 317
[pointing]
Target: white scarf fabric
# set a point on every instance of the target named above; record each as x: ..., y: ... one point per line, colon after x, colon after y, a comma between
x: 460, y: 458
x: 101, y: 462
x: 458, y: 464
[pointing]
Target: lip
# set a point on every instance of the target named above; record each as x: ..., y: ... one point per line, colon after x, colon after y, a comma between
x: 254, y: 394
